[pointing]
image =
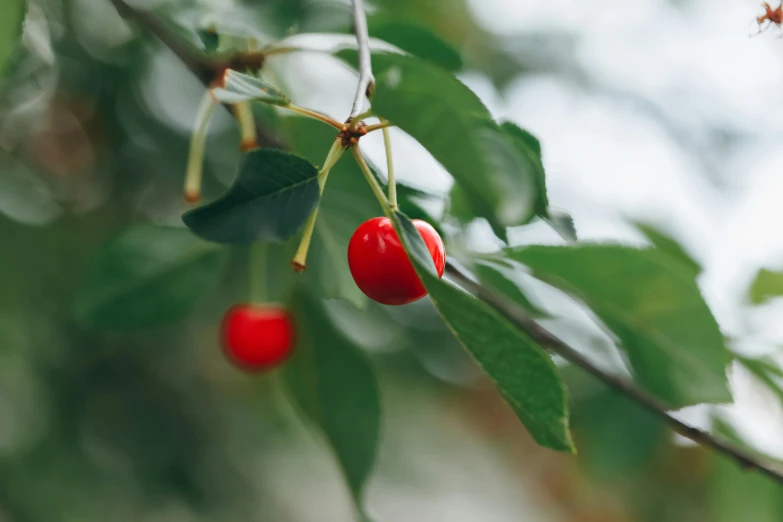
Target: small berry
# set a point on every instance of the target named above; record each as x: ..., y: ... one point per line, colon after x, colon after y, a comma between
x: 257, y: 337
x: 381, y: 268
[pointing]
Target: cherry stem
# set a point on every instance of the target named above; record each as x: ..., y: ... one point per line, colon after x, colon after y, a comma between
x: 356, y: 120
x: 300, y: 258
x: 257, y: 272
x: 247, y: 126
x: 313, y: 114
x: 370, y: 177
x: 390, y: 169
x: 197, y: 142
x: 376, y: 126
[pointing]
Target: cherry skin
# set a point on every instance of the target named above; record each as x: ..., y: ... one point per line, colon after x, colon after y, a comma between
x: 257, y: 337
x: 381, y: 268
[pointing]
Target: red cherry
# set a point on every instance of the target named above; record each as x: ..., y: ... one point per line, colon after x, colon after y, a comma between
x: 257, y: 337
x: 381, y: 267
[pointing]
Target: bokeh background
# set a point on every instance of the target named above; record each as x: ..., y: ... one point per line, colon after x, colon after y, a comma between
x: 663, y: 112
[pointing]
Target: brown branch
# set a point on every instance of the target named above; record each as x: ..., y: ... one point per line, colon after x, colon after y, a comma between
x: 205, y: 68
x: 659, y: 408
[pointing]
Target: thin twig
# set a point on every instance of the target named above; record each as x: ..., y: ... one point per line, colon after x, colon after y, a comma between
x: 376, y: 126
x: 197, y: 62
x: 204, y: 67
x: 314, y: 114
x: 366, y: 79
x: 521, y: 320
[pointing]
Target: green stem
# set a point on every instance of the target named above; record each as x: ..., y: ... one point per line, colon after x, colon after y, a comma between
x: 257, y: 272
x: 313, y: 114
x: 376, y: 126
x: 370, y: 177
x: 197, y: 141
x: 390, y: 169
x: 247, y: 126
x: 299, y: 262
x: 357, y: 119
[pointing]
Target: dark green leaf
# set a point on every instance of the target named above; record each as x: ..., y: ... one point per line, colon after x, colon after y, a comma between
x: 333, y: 383
x: 529, y: 147
x: 499, y: 278
x: 450, y: 121
x: 346, y: 203
x: 270, y: 200
x: 210, y: 40
x: 669, y: 246
x: 654, y: 306
x: 147, y: 276
x: 416, y: 39
x: 238, y: 87
x: 767, y: 285
x: 523, y: 372
x: 12, y: 14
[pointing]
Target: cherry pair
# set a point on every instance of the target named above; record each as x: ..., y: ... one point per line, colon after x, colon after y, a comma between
x: 261, y: 337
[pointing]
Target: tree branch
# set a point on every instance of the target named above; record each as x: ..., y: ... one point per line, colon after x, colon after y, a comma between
x: 366, y: 80
x: 524, y: 322
x: 204, y: 68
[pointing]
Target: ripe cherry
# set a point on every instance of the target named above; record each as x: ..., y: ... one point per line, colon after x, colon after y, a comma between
x: 257, y: 337
x: 381, y: 267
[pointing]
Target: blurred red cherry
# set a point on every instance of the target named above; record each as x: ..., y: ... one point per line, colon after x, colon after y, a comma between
x: 258, y: 337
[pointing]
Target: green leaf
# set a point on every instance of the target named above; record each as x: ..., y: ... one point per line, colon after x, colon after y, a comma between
x: 238, y: 87
x: 408, y: 201
x: 210, y: 40
x: 736, y: 494
x: 767, y: 285
x: 450, y: 121
x: 616, y: 436
x: 346, y: 203
x: 12, y: 13
x: 530, y: 148
x: 334, y: 385
x: 147, y: 276
x: 654, y: 306
x: 23, y: 196
x: 271, y: 199
x: 416, y: 39
x: 767, y: 371
x: 669, y: 246
x: 497, y: 277
x: 563, y: 224
x: 522, y: 371
x: 531, y: 142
